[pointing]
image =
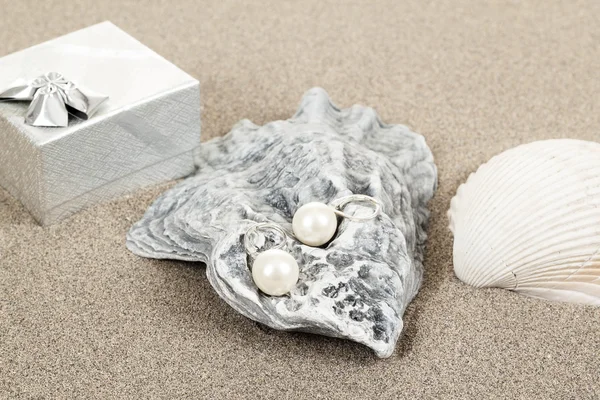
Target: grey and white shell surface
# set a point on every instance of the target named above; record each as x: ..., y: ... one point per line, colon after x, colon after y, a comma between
x: 355, y: 287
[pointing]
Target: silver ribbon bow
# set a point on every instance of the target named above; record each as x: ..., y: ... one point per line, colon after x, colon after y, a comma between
x: 53, y: 98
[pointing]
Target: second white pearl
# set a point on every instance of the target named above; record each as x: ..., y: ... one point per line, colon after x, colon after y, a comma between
x: 314, y: 224
x: 275, y: 272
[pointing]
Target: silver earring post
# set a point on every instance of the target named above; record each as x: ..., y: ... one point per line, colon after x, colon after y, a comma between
x: 252, y: 248
x: 339, y: 204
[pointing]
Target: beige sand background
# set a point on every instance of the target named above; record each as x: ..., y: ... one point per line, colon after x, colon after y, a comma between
x: 81, y: 317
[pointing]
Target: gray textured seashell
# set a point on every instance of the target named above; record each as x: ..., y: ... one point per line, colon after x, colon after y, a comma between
x: 358, y: 286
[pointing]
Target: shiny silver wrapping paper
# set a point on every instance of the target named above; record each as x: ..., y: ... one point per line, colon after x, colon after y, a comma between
x: 144, y: 134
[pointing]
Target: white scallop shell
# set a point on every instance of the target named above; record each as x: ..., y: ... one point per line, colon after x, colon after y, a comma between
x: 529, y: 221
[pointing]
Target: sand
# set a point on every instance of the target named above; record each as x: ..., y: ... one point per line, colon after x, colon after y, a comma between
x: 82, y: 317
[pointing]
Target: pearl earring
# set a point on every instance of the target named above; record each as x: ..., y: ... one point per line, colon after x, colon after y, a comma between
x: 274, y: 271
x: 314, y: 224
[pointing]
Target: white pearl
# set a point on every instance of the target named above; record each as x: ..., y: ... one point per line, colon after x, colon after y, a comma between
x: 275, y: 272
x: 314, y: 224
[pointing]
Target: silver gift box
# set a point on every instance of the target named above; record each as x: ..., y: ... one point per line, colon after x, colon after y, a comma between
x: 145, y: 133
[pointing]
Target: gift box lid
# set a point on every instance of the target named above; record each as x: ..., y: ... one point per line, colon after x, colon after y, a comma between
x: 102, y: 58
